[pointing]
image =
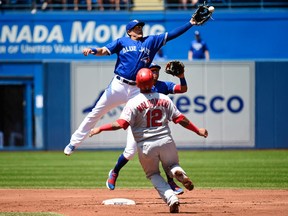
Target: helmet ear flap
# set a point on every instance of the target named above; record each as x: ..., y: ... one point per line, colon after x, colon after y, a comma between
x: 144, y: 79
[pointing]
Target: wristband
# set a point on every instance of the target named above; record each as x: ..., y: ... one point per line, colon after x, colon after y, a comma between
x: 94, y: 50
x: 183, y: 82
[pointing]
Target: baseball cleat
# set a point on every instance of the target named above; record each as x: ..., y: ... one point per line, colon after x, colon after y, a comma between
x: 111, y: 181
x: 69, y: 149
x: 174, y: 208
x: 183, y: 178
x: 176, y: 189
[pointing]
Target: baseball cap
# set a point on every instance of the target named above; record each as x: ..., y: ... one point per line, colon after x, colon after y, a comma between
x: 152, y: 65
x: 133, y: 23
x: 197, y: 33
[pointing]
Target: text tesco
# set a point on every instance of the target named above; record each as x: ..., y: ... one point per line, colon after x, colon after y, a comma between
x: 216, y: 104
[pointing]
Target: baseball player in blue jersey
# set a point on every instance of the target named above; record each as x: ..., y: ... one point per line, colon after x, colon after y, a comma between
x: 133, y: 53
x: 198, y: 49
x: 131, y: 146
x: 148, y: 115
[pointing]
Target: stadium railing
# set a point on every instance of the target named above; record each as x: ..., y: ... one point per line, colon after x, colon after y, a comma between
x: 136, y: 5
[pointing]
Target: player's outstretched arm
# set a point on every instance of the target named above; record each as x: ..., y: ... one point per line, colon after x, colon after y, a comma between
x: 106, y: 127
x: 179, y: 31
x: 95, y: 51
x: 203, y: 132
x: 184, y: 122
x: 182, y: 87
x: 118, y: 124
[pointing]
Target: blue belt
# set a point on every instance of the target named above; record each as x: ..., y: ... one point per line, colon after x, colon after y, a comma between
x: 125, y: 80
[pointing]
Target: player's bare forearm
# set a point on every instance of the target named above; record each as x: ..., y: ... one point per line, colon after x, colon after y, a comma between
x: 184, y: 122
x: 94, y: 131
x: 106, y: 127
x: 95, y: 51
x: 190, y: 126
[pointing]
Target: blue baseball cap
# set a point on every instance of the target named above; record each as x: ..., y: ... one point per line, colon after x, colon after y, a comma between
x: 153, y: 65
x: 133, y: 23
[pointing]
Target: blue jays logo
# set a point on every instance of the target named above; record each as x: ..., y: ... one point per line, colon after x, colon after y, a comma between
x: 146, y: 60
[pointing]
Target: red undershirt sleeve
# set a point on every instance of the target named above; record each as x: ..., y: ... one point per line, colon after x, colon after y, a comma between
x: 123, y: 123
x: 189, y: 126
x: 178, y: 119
x: 177, y: 89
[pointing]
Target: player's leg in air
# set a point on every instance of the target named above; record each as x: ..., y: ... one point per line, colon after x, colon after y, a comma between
x: 115, y: 94
x: 177, y: 190
x: 128, y: 154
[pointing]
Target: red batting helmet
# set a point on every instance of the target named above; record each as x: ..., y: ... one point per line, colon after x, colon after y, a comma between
x: 144, y: 79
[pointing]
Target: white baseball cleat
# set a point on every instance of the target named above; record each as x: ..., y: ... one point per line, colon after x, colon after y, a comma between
x: 69, y: 149
x: 183, y: 178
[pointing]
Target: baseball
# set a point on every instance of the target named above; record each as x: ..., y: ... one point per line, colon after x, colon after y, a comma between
x: 211, y: 9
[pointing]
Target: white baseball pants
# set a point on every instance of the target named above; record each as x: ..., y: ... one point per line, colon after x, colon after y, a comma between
x: 114, y: 95
x: 131, y: 145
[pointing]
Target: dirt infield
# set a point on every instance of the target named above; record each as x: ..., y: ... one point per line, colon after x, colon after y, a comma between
x: 86, y: 202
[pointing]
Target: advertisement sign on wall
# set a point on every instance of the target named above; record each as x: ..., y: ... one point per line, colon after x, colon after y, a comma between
x: 61, y: 40
x: 237, y: 35
x: 220, y: 98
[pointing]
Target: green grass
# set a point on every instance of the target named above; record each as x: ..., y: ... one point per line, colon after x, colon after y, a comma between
x: 208, y: 169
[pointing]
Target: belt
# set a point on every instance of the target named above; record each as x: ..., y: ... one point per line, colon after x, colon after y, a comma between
x: 125, y: 80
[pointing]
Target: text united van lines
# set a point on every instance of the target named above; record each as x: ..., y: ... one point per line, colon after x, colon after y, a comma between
x: 46, y: 39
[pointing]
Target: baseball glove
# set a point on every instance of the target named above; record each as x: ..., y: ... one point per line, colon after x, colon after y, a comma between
x: 202, y: 14
x: 174, y: 68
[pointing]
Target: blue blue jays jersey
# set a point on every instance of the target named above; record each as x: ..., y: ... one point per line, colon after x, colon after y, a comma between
x: 132, y: 55
x: 164, y: 87
x: 198, y: 48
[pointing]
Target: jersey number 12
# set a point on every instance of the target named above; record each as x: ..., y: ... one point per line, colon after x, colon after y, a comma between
x: 153, y: 118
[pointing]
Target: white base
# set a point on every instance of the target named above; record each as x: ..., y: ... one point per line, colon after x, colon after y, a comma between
x: 118, y: 201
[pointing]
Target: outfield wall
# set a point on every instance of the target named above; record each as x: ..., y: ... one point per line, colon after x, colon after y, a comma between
x: 271, y: 104
x: 240, y: 95
x: 220, y: 97
x: 243, y: 104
